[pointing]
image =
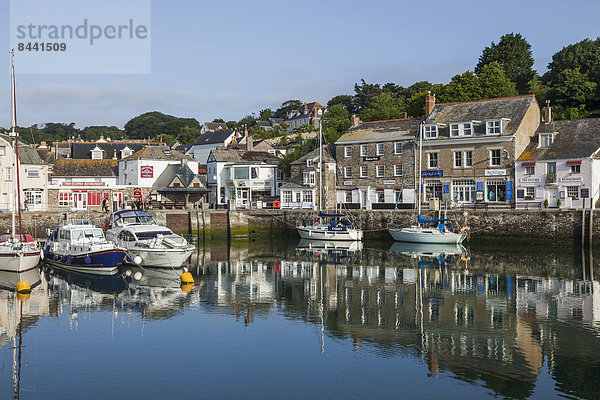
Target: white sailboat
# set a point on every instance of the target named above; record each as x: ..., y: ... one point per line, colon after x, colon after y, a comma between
x: 18, y: 252
x: 336, y: 228
x: 440, y: 230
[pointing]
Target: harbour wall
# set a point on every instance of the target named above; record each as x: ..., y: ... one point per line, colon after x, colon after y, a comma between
x: 561, y: 227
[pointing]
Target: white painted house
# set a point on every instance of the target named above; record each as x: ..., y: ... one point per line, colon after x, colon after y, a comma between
x: 33, y: 174
x: 143, y: 167
x: 560, y: 165
x: 209, y: 141
x: 238, y: 177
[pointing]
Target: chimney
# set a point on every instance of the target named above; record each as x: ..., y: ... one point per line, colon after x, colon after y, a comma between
x: 548, y: 112
x: 249, y: 140
x: 114, y: 154
x: 354, y: 120
x: 429, y: 103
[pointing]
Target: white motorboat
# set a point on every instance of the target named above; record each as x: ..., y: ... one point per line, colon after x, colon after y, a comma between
x: 18, y: 252
x: 147, y: 243
x: 78, y: 245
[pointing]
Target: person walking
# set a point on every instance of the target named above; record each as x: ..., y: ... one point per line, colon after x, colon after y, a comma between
x: 105, y: 205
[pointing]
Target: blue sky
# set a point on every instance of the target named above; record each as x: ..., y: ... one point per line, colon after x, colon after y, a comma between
x: 230, y: 58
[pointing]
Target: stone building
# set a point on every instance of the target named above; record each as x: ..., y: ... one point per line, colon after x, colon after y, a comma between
x: 309, y: 113
x: 470, y: 148
x: 561, y: 162
x: 303, y: 188
x: 143, y: 167
x: 375, y: 164
x: 181, y: 186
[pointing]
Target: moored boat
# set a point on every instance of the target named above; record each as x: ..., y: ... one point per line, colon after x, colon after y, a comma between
x: 147, y: 243
x: 78, y: 245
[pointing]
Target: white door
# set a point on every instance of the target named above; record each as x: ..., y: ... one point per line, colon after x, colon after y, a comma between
x: 553, y: 198
x: 80, y: 200
x: 117, y: 199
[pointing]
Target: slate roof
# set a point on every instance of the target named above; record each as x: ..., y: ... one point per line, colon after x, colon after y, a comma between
x: 70, y: 167
x: 83, y: 150
x: 29, y: 155
x: 328, y: 155
x: 216, y: 137
x: 577, y: 138
x: 214, y: 126
x: 158, y: 153
x: 185, y: 175
x: 245, y: 157
x: 511, y: 109
x: 378, y: 131
x: 263, y: 124
x: 183, y: 148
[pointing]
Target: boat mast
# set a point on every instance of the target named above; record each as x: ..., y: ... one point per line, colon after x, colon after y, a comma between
x: 17, y: 187
x: 320, y: 168
x: 420, y: 169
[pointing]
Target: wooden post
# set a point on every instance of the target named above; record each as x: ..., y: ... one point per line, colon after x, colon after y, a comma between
x: 203, y: 224
x: 590, y: 226
x: 583, y: 227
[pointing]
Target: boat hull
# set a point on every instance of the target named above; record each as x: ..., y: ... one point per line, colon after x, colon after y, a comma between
x: 426, y: 235
x: 322, y: 233
x: 19, y: 262
x: 159, y: 258
x: 100, y: 262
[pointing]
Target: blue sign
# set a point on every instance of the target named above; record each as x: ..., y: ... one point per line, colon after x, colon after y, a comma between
x: 446, y: 188
x: 509, y: 190
x: 480, y: 186
x: 434, y: 173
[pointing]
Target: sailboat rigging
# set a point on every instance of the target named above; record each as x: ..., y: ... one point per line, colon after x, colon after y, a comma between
x: 441, y: 233
x: 19, y: 252
x: 337, y: 227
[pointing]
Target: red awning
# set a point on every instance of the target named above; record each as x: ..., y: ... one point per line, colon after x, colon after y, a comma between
x: 574, y: 162
x: 529, y: 164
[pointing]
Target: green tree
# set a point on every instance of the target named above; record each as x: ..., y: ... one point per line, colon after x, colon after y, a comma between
x: 584, y: 55
x: 304, y: 128
x: 336, y: 122
x: 152, y: 124
x: 383, y: 106
x: 494, y: 82
x: 415, y: 106
x: 365, y: 93
x: 461, y: 87
x: 218, y: 120
x: 579, y: 112
x: 286, y: 106
x: 265, y: 114
x: 345, y: 101
x: 187, y: 134
x: 513, y: 53
x: 572, y: 88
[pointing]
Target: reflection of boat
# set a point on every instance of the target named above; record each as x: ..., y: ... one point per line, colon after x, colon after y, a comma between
x: 146, y: 242
x: 105, y: 284
x: 330, y: 247
x: 9, y: 280
x: 427, y: 249
x: 79, y: 246
x: 154, y: 277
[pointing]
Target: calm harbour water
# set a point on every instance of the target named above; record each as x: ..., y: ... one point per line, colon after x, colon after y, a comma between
x: 281, y: 320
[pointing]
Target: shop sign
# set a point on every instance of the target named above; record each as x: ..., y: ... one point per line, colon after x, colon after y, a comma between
x: 431, y: 174
x: 495, y: 172
x: 83, y: 184
x: 372, y: 158
x: 571, y: 179
x: 146, y: 171
x: 530, y: 179
x: 389, y: 182
x: 347, y: 183
x: 137, y: 193
x: 585, y: 193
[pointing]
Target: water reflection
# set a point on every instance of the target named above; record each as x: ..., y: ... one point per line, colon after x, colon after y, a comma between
x: 518, y: 323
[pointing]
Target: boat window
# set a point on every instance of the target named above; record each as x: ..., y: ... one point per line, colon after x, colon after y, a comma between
x: 134, y: 217
x: 127, y: 236
x: 61, y: 234
x: 77, y: 234
x: 98, y: 233
x: 89, y: 233
x: 152, y: 235
x: 68, y: 235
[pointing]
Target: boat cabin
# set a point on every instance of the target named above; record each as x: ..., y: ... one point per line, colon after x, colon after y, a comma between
x: 130, y: 217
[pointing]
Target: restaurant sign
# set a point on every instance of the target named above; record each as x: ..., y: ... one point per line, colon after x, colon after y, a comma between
x: 146, y: 171
x: 434, y: 173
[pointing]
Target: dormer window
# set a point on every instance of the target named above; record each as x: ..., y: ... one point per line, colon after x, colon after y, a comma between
x: 126, y: 152
x: 431, y: 132
x: 97, y: 153
x: 461, y: 129
x: 310, y: 163
x: 493, y: 127
x: 546, y: 139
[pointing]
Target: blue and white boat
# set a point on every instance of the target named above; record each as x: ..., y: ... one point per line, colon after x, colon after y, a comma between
x: 78, y: 245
